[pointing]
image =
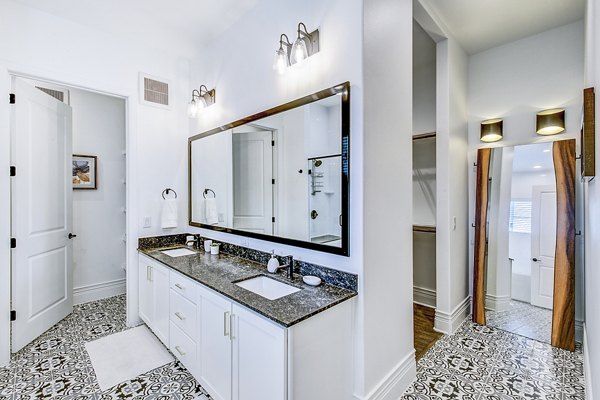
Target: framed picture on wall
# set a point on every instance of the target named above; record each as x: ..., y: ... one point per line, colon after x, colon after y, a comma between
x: 84, y: 172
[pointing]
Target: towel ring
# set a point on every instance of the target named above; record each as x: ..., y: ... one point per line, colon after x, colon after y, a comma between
x: 167, y: 191
x: 205, y: 192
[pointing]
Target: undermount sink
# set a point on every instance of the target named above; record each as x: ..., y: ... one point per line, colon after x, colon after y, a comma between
x: 267, y: 287
x: 178, y: 252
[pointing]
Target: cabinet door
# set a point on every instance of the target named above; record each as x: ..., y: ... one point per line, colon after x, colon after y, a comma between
x: 214, y: 344
x: 145, y: 291
x: 259, y: 357
x: 160, y: 286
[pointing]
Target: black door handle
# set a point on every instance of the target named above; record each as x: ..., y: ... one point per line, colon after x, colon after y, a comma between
x: 71, y: 236
x: 536, y: 260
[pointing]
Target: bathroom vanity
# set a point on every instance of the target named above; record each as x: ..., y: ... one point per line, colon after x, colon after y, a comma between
x: 240, y: 344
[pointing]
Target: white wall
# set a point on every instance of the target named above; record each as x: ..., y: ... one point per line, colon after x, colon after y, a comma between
x: 511, y: 82
x: 388, y: 351
x: 246, y: 84
x: 59, y: 50
x: 451, y: 186
x: 592, y: 216
x: 98, y: 215
x: 516, y: 80
x: 498, y: 265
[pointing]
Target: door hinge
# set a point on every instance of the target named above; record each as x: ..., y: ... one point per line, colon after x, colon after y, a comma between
x: 13, y: 315
x: 13, y: 243
x: 273, y: 181
x: 273, y: 219
x: 12, y: 99
x: 272, y: 143
x: 13, y: 170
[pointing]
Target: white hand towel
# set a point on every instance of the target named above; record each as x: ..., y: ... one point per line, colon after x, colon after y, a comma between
x: 212, y: 216
x: 169, y: 214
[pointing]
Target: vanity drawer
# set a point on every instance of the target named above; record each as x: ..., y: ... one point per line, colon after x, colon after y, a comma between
x: 183, y: 313
x: 184, y: 286
x: 183, y: 347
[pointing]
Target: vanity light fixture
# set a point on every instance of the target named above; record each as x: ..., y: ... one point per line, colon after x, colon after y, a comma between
x: 550, y: 122
x: 305, y: 45
x: 282, y: 58
x: 201, y: 98
x: 491, y: 130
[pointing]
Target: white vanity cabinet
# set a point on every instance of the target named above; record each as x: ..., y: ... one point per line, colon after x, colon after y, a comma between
x: 241, y: 354
x: 237, y: 354
x: 154, y: 296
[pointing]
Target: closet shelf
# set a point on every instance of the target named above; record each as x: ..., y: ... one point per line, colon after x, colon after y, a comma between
x: 424, y: 136
x: 424, y: 228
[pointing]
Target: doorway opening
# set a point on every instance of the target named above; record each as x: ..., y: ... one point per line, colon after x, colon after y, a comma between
x: 68, y: 202
x: 424, y: 190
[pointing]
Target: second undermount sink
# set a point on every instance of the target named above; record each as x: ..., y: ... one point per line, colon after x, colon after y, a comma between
x: 267, y: 287
x: 178, y: 252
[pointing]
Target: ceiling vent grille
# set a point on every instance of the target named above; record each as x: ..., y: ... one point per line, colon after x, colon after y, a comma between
x: 57, y: 94
x: 154, y: 91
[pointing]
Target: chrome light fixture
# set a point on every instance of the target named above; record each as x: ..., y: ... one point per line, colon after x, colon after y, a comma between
x: 550, y: 122
x: 491, y: 130
x: 201, y: 98
x: 305, y: 45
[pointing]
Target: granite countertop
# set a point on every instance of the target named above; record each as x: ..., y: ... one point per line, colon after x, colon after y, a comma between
x: 221, y: 272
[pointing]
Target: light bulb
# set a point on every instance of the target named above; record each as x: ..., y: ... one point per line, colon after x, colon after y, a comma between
x: 202, y: 104
x: 280, y: 63
x: 299, y: 52
x: 192, y: 109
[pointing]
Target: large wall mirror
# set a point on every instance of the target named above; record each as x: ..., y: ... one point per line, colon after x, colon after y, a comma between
x: 280, y: 175
x: 525, y: 241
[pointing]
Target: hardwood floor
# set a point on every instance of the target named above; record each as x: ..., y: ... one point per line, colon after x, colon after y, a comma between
x: 425, y: 336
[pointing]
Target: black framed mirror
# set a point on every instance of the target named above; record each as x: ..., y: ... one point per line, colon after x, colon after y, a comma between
x: 280, y: 175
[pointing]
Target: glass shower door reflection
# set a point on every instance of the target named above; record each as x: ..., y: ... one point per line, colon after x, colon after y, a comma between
x: 325, y: 190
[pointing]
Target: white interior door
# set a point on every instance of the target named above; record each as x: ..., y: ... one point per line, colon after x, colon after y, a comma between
x: 42, y: 265
x: 543, y: 243
x: 253, y: 181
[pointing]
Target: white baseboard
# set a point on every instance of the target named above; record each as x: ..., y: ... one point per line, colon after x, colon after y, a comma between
x: 425, y: 297
x: 97, y: 291
x: 497, y: 303
x: 586, y: 367
x: 449, y: 323
x: 578, y: 331
x: 396, y: 382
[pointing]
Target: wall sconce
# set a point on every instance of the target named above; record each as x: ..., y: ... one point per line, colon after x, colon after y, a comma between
x: 550, y: 122
x: 305, y: 45
x: 201, y: 98
x: 491, y: 130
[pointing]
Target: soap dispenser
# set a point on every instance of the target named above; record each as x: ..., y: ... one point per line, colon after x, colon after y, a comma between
x: 273, y: 264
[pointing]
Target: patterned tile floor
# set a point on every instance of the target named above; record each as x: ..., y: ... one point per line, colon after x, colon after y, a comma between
x: 480, y: 362
x: 56, y: 365
x: 523, y: 319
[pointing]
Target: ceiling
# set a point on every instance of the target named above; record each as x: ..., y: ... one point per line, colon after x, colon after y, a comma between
x: 533, y: 158
x: 482, y: 24
x: 192, y: 21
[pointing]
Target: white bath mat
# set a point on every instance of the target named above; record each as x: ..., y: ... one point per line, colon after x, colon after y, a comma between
x: 125, y: 355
